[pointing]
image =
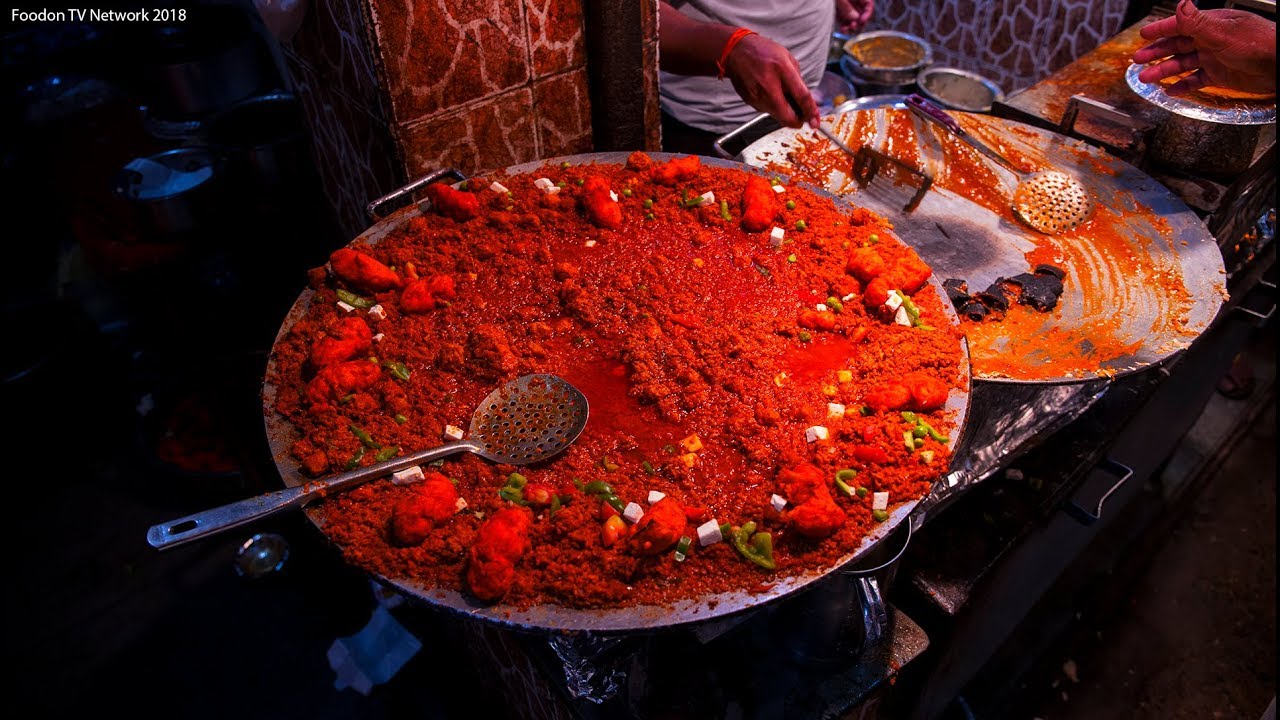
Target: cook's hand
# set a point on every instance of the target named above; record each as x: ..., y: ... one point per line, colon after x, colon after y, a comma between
x: 768, y: 79
x: 853, y: 15
x: 1226, y: 48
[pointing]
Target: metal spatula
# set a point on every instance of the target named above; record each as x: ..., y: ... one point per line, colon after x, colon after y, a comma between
x: 528, y: 419
x: 1050, y: 201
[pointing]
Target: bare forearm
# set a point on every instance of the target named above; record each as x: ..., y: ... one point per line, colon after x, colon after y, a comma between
x: 687, y: 46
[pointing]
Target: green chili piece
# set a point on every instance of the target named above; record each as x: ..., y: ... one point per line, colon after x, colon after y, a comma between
x: 555, y: 504
x: 937, y: 436
x: 682, y: 547
x: 615, y: 502
x: 386, y: 454
x: 401, y: 419
x: 846, y: 475
x: 861, y: 491
x: 756, y: 547
x: 578, y: 484
x: 726, y: 530
x: 866, y: 411
x: 354, y: 300
x: 354, y: 462
x: 724, y: 210
x: 364, y: 437
x: 880, y: 515
x: 346, y: 398
x: 397, y: 368
x: 844, y: 488
x: 517, y: 481
x: 608, y: 464
x: 909, y: 440
x: 647, y: 467
x: 580, y: 181
x: 910, y: 417
x: 510, y: 494
x: 597, y: 487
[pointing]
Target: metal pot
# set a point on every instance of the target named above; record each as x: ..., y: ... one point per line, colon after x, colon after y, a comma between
x: 959, y: 89
x: 261, y: 139
x: 1208, y: 148
x: 172, y: 193
x: 885, y: 59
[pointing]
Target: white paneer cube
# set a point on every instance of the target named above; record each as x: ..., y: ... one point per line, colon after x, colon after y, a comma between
x: 452, y: 432
x: 849, y: 297
x: 590, y: 243
x: 378, y: 312
x: 633, y: 512
x: 655, y: 496
x: 709, y: 533
x: 880, y: 501
x: 821, y: 307
x: 708, y: 197
x: 901, y: 317
x: 460, y: 505
x: 778, y: 502
x: 613, y: 195
x: 346, y: 307
x: 779, y: 188
x: 543, y: 183
x: 498, y: 187
x: 378, y: 338
x: 775, y: 236
x: 553, y: 190
x: 835, y: 410
x: 406, y: 476
x: 895, y: 300
x: 816, y: 433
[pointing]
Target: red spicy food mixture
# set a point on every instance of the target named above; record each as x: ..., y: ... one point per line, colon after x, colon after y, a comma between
x: 728, y: 369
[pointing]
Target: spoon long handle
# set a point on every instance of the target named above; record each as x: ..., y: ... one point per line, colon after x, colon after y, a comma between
x: 934, y: 114
x: 232, y: 515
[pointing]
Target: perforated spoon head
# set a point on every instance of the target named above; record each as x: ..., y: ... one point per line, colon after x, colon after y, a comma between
x: 1052, y: 202
x: 529, y: 419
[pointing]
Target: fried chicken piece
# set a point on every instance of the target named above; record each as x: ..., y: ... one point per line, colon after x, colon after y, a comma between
x: 876, y: 292
x: 427, y: 294
x: 908, y: 274
x: 597, y: 200
x: 453, y: 203
x: 335, y: 381
x: 890, y: 395
x: 866, y: 264
x: 347, y: 338
x: 814, y: 513
x: 433, y: 502
x: 638, y: 161
x: 362, y: 270
x: 660, y: 528
x: 491, y: 561
x: 677, y: 170
x: 759, y: 204
x: 927, y: 392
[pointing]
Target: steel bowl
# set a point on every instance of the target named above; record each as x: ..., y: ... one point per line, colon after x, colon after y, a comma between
x: 959, y: 89
x: 885, y: 57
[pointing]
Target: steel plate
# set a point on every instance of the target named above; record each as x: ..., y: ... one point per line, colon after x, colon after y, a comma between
x: 1153, y: 295
x: 552, y: 619
x: 1226, y: 112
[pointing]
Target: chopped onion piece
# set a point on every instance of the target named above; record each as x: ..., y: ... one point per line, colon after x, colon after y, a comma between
x: 778, y: 502
x: 407, y: 475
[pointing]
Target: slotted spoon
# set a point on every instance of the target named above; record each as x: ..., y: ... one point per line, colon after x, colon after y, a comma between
x: 1050, y: 201
x: 528, y: 419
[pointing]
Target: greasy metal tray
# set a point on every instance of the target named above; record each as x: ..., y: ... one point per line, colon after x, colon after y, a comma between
x: 1152, y: 295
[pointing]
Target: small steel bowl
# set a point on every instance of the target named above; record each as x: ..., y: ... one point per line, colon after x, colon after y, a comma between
x: 959, y: 89
x: 885, y: 57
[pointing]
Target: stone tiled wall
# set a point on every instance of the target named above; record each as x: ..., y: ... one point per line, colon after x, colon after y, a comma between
x: 397, y: 88
x: 1016, y: 43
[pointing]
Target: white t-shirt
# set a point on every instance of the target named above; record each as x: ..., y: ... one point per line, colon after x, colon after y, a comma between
x: 802, y: 26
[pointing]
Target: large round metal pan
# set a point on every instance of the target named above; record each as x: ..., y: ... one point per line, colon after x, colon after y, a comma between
x: 555, y: 619
x: 1129, y: 303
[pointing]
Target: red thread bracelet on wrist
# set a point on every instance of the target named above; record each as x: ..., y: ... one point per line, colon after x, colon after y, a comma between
x: 729, y: 45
